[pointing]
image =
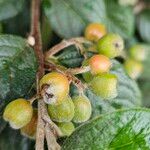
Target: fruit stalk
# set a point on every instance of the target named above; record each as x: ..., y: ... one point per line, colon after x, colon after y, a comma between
x: 35, y: 34
x: 66, y: 43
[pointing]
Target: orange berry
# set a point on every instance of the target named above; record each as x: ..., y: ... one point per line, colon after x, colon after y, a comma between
x: 99, y: 64
x: 95, y: 31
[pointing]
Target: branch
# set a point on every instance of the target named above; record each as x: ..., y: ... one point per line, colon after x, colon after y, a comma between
x: 140, y: 6
x: 51, y: 140
x: 42, y: 127
x: 65, y: 43
x: 35, y: 33
x: 79, y: 70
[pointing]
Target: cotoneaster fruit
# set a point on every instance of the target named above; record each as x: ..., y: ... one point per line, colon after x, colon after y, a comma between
x: 18, y: 113
x: 56, y: 87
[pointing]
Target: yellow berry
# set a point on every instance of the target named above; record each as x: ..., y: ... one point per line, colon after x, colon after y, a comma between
x: 18, y: 113
x: 95, y: 31
x: 134, y: 68
x: 138, y: 52
x: 57, y: 87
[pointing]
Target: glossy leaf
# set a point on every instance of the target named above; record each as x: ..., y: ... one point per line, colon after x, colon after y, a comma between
x: 68, y: 17
x: 10, y: 8
x: 120, y: 130
x: 18, y: 67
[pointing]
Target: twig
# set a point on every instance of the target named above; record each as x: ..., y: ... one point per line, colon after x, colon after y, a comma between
x: 79, y: 70
x: 140, y: 6
x: 51, y: 140
x: 35, y: 33
x: 42, y: 111
x: 65, y: 43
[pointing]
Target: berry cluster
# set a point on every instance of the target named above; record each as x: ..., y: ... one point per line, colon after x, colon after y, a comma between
x: 108, y: 46
x: 55, y: 87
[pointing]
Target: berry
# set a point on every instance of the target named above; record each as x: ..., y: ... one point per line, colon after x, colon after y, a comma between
x: 66, y: 128
x: 30, y: 129
x: 57, y: 87
x: 127, y: 2
x: 105, y: 85
x: 63, y: 112
x: 18, y: 113
x: 95, y: 31
x: 99, y: 64
x: 83, y: 109
x: 134, y: 68
x: 138, y: 52
x: 111, y: 45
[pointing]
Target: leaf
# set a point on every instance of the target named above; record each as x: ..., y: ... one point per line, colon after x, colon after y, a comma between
x: 23, y: 19
x: 68, y: 17
x: 12, y: 140
x: 18, y: 67
x: 10, y: 8
x: 146, y: 64
x: 70, y: 57
x: 120, y: 130
x: 144, y: 24
x: 145, y: 87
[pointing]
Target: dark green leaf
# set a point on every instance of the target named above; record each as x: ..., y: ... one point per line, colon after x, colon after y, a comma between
x: 18, y: 25
x: 12, y: 140
x: 10, y: 8
x: 68, y: 17
x: 70, y: 57
x: 18, y: 67
x: 144, y: 25
x: 121, y: 130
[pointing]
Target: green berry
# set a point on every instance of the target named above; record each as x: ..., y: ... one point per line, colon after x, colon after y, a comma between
x: 18, y: 113
x: 138, y: 52
x: 105, y: 85
x: 111, y: 45
x: 63, y: 112
x: 83, y: 109
x: 66, y: 128
x: 134, y: 68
